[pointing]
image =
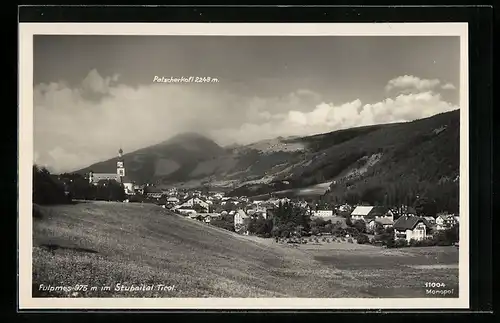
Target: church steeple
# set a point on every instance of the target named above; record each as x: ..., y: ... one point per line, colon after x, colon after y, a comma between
x: 120, y: 166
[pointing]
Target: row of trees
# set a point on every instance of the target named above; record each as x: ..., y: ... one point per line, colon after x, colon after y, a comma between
x: 425, y: 197
x: 47, y: 190
x: 50, y: 189
x: 81, y: 189
x: 226, y: 221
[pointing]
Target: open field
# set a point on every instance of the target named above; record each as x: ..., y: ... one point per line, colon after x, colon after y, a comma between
x: 100, y: 244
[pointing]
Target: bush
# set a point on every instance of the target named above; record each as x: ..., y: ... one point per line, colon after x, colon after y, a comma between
x: 360, y: 225
x: 389, y: 243
x: 429, y: 242
x: 350, y: 240
x: 447, y: 237
x: 223, y: 224
x: 400, y: 243
x: 363, y: 239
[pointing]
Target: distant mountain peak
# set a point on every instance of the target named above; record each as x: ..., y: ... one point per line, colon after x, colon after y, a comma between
x: 189, y: 138
x: 190, y: 135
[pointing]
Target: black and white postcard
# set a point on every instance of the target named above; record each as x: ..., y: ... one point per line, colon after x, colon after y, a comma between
x: 243, y: 166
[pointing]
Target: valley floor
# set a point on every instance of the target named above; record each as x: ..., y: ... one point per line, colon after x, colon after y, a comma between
x: 101, y: 244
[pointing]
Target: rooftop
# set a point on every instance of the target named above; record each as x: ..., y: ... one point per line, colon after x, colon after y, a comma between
x: 409, y: 222
x: 370, y: 211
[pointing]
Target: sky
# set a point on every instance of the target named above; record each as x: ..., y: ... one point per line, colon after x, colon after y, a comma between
x: 93, y: 94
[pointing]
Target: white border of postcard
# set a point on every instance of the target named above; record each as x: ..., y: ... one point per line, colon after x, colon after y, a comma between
x: 25, y: 159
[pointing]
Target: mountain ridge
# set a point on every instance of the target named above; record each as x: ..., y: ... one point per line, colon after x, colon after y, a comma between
x: 426, y: 149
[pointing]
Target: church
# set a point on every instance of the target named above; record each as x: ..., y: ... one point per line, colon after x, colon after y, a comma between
x: 119, y: 176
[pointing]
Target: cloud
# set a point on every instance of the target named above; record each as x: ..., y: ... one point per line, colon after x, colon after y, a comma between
x: 329, y: 117
x: 410, y: 82
x: 448, y: 86
x: 76, y: 126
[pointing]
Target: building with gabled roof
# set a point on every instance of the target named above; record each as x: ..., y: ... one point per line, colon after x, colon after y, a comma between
x: 241, y: 222
x: 384, y: 222
x: 445, y: 221
x: 369, y: 213
x: 411, y: 227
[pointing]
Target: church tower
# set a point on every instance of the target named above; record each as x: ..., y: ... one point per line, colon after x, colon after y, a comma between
x: 120, y: 166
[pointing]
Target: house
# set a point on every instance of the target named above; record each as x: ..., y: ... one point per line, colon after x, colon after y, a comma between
x: 128, y: 185
x: 208, y: 217
x: 192, y: 201
x: 172, y: 199
x: 185, y: 210
x: 384, y: 222
x: 411, y: 227
x: 241, y: 222
x: 231, y: 200
x: 256, y: 210
x: 344, y: 208
x: 445, y: 221
x: 153, y: 192
x: 368, y: 213
x: 322, y: 213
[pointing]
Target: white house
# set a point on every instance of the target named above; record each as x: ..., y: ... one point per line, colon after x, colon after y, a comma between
x: 153, y: 192
x: 368, y: 213
x: 445, y: 221
x: 240, y: 222
x: 411, y: 227
x: 186, y: 211
x: 323, y: 213
x: 384, y: 222
x: 172, y: 199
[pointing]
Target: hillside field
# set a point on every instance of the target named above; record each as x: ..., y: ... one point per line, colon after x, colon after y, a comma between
x: 101, y: 244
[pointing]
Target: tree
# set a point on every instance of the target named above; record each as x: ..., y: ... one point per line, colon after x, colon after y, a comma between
x: 363, y: 239
x: 199, y: 209
x: 386, y: 237
x: 426, y: 207
x: 47, y: 189
x: 447, y: 237
x: 348, y: 221
x: 373, y: 195
x: 110, y: 190
x: 360, y: 225
x: 379, y: 228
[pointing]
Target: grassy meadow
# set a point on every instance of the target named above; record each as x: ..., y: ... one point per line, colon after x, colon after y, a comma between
x: 102, y: 244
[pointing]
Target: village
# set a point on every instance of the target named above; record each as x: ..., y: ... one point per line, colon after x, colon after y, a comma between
x: 286, y: 219
x: 347, y: 222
